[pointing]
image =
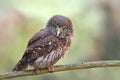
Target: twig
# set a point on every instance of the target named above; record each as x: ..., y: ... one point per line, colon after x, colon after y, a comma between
x: 84, y: 65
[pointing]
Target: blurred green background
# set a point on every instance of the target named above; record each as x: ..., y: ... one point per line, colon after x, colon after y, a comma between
x: 96, y: 37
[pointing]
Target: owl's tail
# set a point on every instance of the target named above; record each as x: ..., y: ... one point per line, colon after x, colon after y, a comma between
x: 21, y: 65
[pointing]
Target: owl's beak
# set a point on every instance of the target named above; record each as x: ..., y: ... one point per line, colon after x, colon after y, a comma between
x: 58, y: 31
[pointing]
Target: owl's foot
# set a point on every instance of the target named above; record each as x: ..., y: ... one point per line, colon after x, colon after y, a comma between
x: 51, y: 69
x: 37, y: 70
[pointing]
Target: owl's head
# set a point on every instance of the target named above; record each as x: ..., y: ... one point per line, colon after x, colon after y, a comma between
x: 60, y: 26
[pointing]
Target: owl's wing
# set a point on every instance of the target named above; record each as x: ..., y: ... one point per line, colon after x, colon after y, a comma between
x: 41, y: 44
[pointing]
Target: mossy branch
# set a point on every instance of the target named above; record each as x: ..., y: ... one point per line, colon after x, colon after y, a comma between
x: 84, y: 65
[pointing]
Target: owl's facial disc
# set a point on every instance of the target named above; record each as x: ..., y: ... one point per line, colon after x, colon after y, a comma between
x: 60, y: 26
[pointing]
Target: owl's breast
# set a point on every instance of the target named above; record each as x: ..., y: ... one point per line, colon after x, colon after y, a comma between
x: 65, y: 43
x: 58, y: 48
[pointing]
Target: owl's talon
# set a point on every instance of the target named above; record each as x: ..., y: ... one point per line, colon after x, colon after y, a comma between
x: 51, y: 69
x: 36, y: 71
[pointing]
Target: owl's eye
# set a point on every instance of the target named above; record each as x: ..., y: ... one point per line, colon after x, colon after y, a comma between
x: 55, y: 26
x: 64, y: 28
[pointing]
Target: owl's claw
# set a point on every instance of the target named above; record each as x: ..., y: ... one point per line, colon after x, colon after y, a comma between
x: 36, y: 70
x: 51, y: 69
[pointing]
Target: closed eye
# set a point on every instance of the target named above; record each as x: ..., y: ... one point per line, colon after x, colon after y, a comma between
x: 55, y: 26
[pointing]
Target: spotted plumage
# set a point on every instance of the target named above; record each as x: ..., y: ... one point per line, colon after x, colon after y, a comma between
x: 48, y: 45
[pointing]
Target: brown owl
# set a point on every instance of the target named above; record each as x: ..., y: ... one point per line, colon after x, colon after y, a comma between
x: 48, y: 45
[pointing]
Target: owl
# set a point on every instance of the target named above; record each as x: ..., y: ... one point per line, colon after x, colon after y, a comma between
x: 48, y: 45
